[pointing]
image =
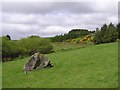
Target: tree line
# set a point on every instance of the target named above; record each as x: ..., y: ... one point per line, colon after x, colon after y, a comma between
x: 105, y: 34
x: 27, y: 46
x: 74, y: 33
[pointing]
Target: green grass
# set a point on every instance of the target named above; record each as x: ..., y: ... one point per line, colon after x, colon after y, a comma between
x: 66, y: 46
x: 90, y: 67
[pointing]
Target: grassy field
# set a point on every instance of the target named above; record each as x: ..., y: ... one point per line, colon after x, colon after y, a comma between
x: 90, y: 67
x: 65, y: 46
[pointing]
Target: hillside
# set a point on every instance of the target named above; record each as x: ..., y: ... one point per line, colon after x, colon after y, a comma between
x: 90, y: 67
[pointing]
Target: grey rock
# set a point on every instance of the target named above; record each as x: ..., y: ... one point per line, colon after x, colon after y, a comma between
x: 37, y: 61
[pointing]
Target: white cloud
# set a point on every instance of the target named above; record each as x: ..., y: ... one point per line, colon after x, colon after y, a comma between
x: 61, y: 1
x: 50, y: 19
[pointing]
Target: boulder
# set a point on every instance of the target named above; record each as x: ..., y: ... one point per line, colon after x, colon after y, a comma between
x: 37, y: 61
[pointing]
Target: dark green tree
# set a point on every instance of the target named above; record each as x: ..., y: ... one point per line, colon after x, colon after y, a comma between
x: 107, y: 34
x: 103, y: 32
x: 8, y: 36
x: 111, y: 34
x: 98, y: 36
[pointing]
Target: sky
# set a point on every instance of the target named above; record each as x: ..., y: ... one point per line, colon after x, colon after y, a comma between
x: 47, y: 19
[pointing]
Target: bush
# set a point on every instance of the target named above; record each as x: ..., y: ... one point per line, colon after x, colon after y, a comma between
x: 25, y: 46
x: 35, y: 44
x: 9, y: 49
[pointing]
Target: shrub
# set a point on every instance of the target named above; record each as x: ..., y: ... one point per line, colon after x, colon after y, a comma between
x: 25, y: 46
x: 35, y: 44
x: 9, y: 49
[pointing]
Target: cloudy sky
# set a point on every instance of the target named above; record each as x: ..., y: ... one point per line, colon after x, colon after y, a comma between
x: 22, y: 19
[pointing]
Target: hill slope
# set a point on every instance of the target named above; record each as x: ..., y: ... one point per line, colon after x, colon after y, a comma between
x: 91, y: 67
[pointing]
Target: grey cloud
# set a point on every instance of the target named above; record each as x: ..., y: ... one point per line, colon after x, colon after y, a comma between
x: 20, y: 31
x: 55, y: 19
x: 51, y: 18
x: 48, y: 7
x: 119, y: 12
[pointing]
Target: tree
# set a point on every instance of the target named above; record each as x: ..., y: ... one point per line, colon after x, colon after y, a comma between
x: 112, y: 33
x: 107, y: 34
x: 103, y: 32
x: 8, y: 36
x: 97, y: 37
x: 104, y: 28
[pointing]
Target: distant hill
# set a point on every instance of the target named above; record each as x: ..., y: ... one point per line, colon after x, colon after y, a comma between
x: 74, y: 33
